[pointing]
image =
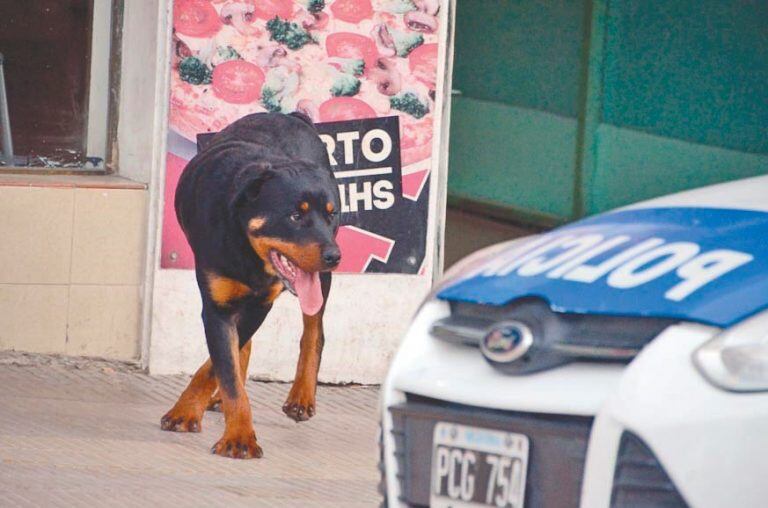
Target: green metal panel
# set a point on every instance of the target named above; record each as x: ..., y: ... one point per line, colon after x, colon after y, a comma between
x: 520, y: 52
x: 586, y: 165
x: 521, y: 158
x: 684, y: 98
x: 653, y: 97
x: 513, y: 128
x: 695, y: 70
x: 635, y: 165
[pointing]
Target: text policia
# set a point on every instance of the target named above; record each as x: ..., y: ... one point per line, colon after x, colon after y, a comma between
x: 365, y: 158
x: 623, y: 262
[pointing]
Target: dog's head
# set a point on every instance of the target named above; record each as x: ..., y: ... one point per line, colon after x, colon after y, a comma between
x: 289, y: 211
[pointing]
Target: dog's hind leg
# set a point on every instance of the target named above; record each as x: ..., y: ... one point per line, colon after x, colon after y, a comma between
x: 245, y: 355
x: 300, y: 404
x: 251, y: 318
x: 187, y: 413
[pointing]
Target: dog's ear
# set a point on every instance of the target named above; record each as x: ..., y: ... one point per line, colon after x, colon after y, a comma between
x: 303, y: 117
x: 247, y: 183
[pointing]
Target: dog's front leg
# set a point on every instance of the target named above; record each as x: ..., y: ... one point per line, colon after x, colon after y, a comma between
x: 300, y: 405
x: 239, y: 439
x: 251, y: 318
x: 245, y: 355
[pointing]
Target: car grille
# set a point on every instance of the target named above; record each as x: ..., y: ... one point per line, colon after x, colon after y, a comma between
x: 558, y: 338
x: 558, y: 447
x: 639, y: 478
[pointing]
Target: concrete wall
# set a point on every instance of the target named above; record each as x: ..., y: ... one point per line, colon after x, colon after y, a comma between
x: 364, y: 321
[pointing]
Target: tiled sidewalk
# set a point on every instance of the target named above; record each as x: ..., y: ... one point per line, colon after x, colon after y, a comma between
x: 86, y: 433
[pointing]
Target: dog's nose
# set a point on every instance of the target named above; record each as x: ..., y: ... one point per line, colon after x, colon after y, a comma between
x: 331, y: 256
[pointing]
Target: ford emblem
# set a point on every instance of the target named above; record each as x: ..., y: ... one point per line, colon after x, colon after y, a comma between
x: 506, y: 342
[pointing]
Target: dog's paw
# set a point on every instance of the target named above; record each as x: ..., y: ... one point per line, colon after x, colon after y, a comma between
x: 177, y: 421
x: 299, y: 408
x: 214, y: 404
x: 298, y: 412
x: 238, y: 447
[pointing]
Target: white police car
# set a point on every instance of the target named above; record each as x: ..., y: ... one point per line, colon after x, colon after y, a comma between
x: 619, y: 361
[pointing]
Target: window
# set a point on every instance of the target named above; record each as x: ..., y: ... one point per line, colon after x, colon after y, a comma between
x: 56, y: 61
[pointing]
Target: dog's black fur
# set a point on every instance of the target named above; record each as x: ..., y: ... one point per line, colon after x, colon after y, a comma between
x: 262, y: 186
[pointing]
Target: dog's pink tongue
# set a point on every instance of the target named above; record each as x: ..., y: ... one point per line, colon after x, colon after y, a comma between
x: 307, y: 286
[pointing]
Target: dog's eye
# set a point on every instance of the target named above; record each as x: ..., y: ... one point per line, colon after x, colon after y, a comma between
x: 295, y: 216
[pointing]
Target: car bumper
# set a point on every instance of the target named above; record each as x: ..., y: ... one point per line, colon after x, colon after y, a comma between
x: 706, y: 441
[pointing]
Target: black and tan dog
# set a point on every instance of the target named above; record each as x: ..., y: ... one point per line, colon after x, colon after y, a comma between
x: 259, y: 208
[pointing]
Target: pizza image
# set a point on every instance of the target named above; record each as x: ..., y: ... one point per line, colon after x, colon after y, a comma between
x: 335, y: 60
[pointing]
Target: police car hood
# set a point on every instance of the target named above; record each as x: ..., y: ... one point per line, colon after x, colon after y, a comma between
x: 698, y: 256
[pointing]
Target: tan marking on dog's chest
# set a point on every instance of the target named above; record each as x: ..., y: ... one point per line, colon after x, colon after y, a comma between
x: 224, y: 290
x: 274, y: 291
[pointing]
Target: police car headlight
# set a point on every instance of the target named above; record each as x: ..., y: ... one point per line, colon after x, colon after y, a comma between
x: 737, y: 358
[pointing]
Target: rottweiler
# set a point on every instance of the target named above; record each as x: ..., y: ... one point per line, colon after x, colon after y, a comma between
x: 259, y: 208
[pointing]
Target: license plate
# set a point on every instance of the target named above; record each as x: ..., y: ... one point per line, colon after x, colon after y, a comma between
x: 474, y: 467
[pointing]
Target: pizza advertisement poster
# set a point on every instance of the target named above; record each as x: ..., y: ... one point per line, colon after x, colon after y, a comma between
x: 364, y: 71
